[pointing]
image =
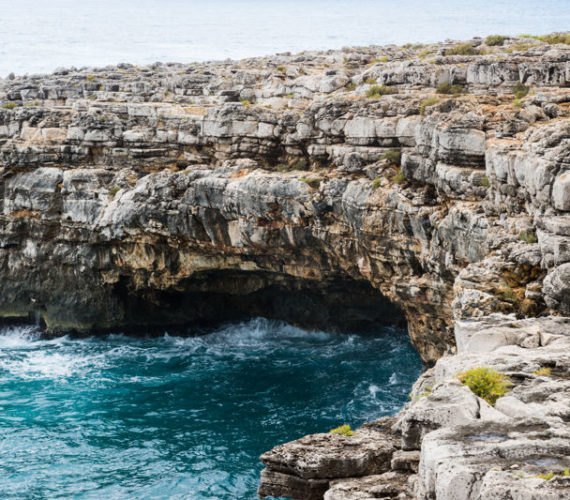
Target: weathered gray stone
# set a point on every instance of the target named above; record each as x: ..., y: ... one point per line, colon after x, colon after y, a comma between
x: 125, y: 187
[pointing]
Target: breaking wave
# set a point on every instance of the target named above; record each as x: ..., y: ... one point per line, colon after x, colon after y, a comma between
x: 173, y: 417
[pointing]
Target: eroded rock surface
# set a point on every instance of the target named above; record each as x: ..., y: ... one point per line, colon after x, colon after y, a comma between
x: 426, y: 181
x: 128, y: 189
x: 452, y: 445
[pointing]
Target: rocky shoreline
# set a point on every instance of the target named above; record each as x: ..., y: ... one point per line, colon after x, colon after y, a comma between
x: 369, y: 184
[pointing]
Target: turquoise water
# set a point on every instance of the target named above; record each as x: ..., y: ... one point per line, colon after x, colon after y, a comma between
x: 38, y: 36
x: 181, y: 418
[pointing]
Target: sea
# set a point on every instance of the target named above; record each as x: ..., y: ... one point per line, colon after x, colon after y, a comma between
x: 38, y: 36
x: 169, y: 417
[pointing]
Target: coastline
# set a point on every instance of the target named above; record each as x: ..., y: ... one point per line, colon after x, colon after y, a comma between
x: 435, y: 175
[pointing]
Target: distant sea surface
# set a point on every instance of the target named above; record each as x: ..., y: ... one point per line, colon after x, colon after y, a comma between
x: 40, y: 35
x: 117, y: 418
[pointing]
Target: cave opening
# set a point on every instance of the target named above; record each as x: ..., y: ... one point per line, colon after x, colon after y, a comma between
x: 208, y: 299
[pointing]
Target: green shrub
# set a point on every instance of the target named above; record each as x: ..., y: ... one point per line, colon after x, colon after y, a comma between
x: 376, y: 91
x: 462, y: 49
x: 383, y: 59
x: 549, y: 475
x: 447, y: 88
x: 519, y: 47
x: 300, y: 164
x: 520, y: 90
x: 313, y: 182
x: 9, y: 105
x: 351, y: 86
x: 282, y: 69
x: 90, y: 78
x: 551, y: 39
x: 343, y: 430
x: 370, y: 81
x: 427, y: 392
x: 509, y: 295
x: 484, y: 181
x: 430, y: 101
x: 113, y: 190
x: 528, y: 236
x: 426, y: 103
x: 398, y: 177
x: 542, y: 372
x: 517, y: 103
x: 392, y: 157
x: 376, y: 183
x: 486, y: 383
x: 245, y: 103
x: 494, y: 40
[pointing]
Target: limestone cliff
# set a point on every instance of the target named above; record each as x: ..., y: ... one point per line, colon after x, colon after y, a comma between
x: 431, y: 180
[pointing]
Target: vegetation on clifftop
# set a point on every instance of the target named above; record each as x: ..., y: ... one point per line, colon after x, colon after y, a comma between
x: 486, y: 383
x: 343, y: 430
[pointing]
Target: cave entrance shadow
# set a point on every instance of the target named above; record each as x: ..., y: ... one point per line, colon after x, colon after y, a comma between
x: 210, y: 299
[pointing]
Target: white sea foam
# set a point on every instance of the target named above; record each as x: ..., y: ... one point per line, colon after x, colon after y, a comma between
x: 18, y: 337
x: 373, y: 390
x: 42, y: 364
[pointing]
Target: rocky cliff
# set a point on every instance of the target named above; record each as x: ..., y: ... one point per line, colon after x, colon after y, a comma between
x: 430, y: 183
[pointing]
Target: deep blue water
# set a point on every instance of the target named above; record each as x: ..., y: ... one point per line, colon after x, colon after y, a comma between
x: 40, y: 35
x: 181, y: 418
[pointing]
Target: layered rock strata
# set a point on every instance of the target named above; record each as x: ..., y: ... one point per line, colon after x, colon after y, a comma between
x: 448, y: 443
x: 425, y: 181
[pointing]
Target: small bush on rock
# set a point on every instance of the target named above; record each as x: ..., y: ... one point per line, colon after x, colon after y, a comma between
x: 447, y: 88
x: 311, y: 182
x: 426, y: 103
x: 495, y: 40
x: 392, y: 157
x: 486, y: 383
x: 9, y: 105
x: 542, y: 372
x: 300, y: 164
x: 520, y: 90
x: 463, y: 49
x: 551, y: 39
x: 377, y: 91
x: 549, y: 475
x: 343, y: 430
x: 398, y: 177
x: 528, y: 236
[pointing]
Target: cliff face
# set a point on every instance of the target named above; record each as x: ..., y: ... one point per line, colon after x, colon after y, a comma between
x: 333, y: 188
x: 127, y: 192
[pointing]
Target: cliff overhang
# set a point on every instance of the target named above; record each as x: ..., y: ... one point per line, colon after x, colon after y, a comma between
x: 425, y: 182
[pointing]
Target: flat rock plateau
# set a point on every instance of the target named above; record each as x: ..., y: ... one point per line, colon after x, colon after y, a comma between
x: 427, y: 184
